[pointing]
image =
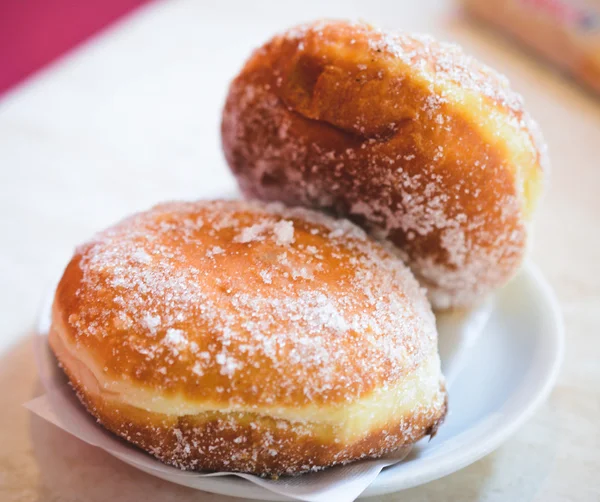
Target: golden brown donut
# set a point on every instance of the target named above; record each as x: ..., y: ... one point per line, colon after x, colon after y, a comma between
x: 238, y: 336
x: 405, y: 135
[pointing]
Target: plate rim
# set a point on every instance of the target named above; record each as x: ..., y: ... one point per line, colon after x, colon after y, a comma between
x: 452, y: 463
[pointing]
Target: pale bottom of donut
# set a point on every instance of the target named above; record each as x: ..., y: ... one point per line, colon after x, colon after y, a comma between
x: 263, y: 441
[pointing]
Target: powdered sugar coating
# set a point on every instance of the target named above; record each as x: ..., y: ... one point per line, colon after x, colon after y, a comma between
x: 295, y: 307
x: 412, y: 138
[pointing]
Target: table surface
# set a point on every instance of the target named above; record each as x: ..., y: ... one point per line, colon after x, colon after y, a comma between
x: 131, y: 118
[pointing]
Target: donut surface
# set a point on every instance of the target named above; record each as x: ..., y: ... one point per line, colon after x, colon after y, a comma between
x: 407, y: 136
x: 243, y: 336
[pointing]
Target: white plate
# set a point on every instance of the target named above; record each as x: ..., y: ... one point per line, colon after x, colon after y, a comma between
x: 510, y: 371
x: 497, y: 378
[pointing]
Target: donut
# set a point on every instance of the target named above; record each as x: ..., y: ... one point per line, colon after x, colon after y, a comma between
x: 409, y: 137
x: 249, y: 337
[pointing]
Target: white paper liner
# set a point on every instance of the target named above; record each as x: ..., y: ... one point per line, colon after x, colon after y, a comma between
x: 458, y: 332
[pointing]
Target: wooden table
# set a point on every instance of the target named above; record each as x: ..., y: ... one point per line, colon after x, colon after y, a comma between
x: 131, y: 118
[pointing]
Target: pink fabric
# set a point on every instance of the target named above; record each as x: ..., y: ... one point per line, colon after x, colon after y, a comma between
x: 34, y: 33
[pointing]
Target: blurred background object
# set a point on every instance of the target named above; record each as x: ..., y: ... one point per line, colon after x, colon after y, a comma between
x: 35, y: 32
x: 565, y: 32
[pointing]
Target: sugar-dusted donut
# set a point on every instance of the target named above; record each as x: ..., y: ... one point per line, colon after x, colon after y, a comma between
x: 238, y: 336
x: 405, y: 135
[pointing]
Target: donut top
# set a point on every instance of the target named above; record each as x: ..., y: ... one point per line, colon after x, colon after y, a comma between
x: 312, y: 60
x: 247, y: 304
